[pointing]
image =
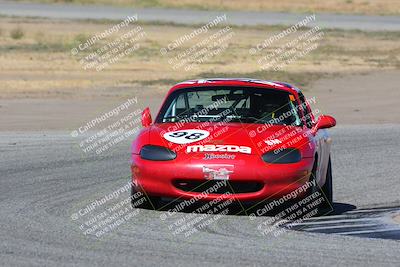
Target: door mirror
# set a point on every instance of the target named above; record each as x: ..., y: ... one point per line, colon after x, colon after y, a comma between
x: 324, y: 121
x: 146, y: 117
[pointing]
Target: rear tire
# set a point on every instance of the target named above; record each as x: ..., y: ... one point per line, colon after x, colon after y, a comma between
x: 143, y: 201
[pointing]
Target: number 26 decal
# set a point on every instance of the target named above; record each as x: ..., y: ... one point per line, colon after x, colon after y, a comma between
x: 186, y: 136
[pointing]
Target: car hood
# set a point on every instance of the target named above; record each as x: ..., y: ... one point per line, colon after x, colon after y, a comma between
x: 244, y: 139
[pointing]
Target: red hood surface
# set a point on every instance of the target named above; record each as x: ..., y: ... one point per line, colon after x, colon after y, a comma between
x: 237, y: 138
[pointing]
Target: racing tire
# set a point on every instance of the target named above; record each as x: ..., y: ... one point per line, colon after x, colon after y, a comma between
x: 326, y: 206
x: 327, y: 189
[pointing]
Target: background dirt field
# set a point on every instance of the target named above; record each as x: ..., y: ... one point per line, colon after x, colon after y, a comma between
x: 354, y: 74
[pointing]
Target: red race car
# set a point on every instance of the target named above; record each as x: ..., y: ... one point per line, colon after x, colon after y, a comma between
x: 243, y: 139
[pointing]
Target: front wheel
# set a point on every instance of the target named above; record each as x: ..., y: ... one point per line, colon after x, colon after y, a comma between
x: 326, y: 192
x: 327, y: 189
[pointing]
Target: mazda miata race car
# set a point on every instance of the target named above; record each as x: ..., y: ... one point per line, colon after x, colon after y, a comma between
x: 259, y: 137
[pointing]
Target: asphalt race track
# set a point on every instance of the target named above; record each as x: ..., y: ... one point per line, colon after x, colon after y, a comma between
x: 46, y: 178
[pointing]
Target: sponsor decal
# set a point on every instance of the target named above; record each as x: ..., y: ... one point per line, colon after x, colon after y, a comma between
x: 209, y: 156
x: 273, y: 142
x: 217, y: 171
x: 186, y: 136
x: 219, y: 148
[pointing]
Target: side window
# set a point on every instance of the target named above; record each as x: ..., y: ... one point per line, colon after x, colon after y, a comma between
x: 296, y: 116
x: 307, y: 111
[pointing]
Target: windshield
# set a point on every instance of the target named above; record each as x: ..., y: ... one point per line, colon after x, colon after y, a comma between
x: 245, y: 105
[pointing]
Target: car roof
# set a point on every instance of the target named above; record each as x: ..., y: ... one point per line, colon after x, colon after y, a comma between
x: 245, y: 82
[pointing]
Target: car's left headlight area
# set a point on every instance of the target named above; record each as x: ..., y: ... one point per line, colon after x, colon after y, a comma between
x: 282, y: 156
x: 157, y: 153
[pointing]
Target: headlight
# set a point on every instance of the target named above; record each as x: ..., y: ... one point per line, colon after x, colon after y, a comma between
x: 288, y: 155
x: 158, y: 153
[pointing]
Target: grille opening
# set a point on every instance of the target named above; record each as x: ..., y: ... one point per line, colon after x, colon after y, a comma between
x: 233, y: 187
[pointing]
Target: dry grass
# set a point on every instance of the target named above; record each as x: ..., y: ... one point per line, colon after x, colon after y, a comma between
x: 17, y: 33
x: 40, y: 64
x: 377, y: 7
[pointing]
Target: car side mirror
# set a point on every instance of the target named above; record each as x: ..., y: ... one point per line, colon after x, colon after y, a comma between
x: 323, y: 122
x: 146, y: 117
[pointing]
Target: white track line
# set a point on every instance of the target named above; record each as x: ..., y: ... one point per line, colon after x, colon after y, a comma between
x: 373, y: 210
x: 334, y: 221
x: 370, y: 231
x: 339, y: 226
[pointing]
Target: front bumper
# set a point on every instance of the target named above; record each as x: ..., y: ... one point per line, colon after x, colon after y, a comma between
x: 262, y: 180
